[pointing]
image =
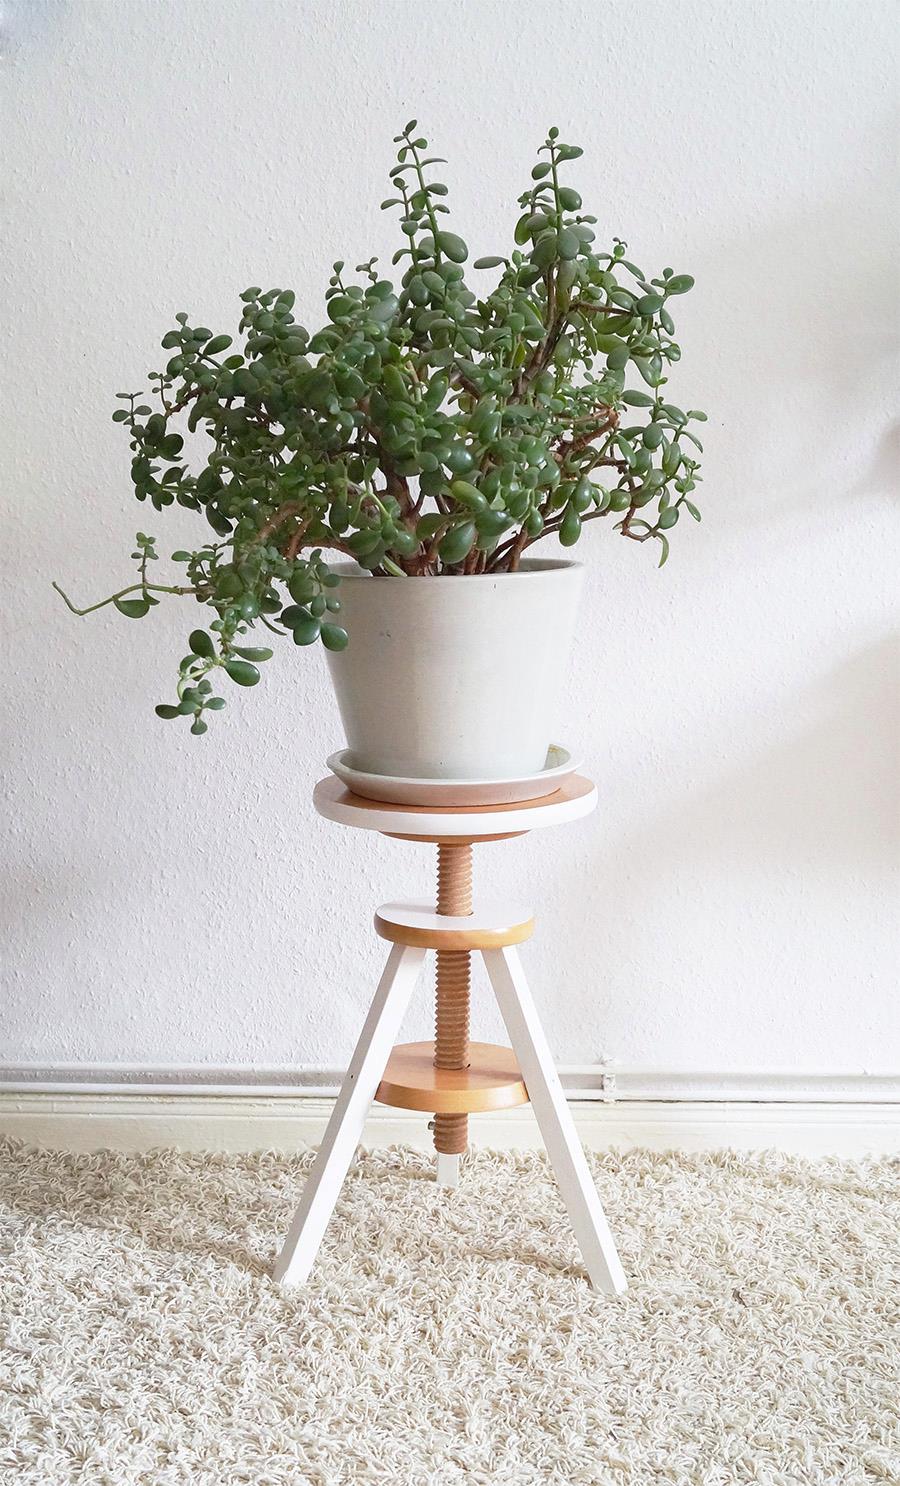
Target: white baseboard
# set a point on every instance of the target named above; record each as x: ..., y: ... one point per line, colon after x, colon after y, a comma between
x: 138, y: 1121
x: 611, y: 1083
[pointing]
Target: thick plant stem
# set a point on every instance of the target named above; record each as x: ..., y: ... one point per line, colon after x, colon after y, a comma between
x: 451, y: 1027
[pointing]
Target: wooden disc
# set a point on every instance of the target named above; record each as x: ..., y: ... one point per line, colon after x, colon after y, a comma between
x: 491, y: 1081
x: 491, y: 926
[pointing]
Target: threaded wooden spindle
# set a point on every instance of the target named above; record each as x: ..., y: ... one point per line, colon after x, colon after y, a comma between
x: 452, y: 979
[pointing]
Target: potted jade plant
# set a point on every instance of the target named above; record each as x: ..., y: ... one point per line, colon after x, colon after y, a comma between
x: 379, y: 484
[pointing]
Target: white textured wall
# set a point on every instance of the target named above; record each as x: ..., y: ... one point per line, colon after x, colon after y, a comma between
x: 171, y: 900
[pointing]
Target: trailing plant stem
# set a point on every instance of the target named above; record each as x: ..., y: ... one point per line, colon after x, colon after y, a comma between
x: 132, y: 588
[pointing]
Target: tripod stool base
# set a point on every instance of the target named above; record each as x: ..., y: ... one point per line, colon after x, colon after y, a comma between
x: 480, y: 1076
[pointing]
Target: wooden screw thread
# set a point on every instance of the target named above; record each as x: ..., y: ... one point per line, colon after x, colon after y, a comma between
x: 451, y: 1023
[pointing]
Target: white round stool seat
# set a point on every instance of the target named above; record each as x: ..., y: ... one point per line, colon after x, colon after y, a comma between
x: 575, y: 797
x: 491, y: 926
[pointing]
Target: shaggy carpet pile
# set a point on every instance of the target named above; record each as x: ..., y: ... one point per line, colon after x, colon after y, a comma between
x: 447, y: 1339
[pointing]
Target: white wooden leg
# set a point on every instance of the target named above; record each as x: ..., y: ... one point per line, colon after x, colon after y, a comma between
x: 345, y: 1127
x: 447, y: 1174
x: 555, y: 1120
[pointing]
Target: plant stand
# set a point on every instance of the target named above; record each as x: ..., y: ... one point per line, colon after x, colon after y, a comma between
x: 452, y: 1077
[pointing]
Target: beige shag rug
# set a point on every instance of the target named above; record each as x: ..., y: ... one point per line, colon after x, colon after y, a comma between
x: 446, y: 1339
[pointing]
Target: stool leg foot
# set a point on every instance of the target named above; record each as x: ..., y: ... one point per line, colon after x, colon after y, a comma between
x: 345, y: 1127
x: 555, y: 1120
x: 447, y: 1174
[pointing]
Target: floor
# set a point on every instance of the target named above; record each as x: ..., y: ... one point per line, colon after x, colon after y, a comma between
x: 447, y: 1339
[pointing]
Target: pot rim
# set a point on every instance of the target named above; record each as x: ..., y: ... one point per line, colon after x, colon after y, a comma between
x: 530, y: 567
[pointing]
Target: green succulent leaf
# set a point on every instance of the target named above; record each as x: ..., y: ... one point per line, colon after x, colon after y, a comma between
x: 452, y: 246
x: 253, y: 652
x: 458, y: 543
x: 568, y: 243
x: 242, y: 672
x: 570, y: 529
x: 333, y: 637
x: 546, y: 250
x: 201, y: 644
x: 133, y: 608
x: 307, y: 631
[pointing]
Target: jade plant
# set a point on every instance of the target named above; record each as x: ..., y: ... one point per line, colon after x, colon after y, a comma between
x: 428, y: 427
